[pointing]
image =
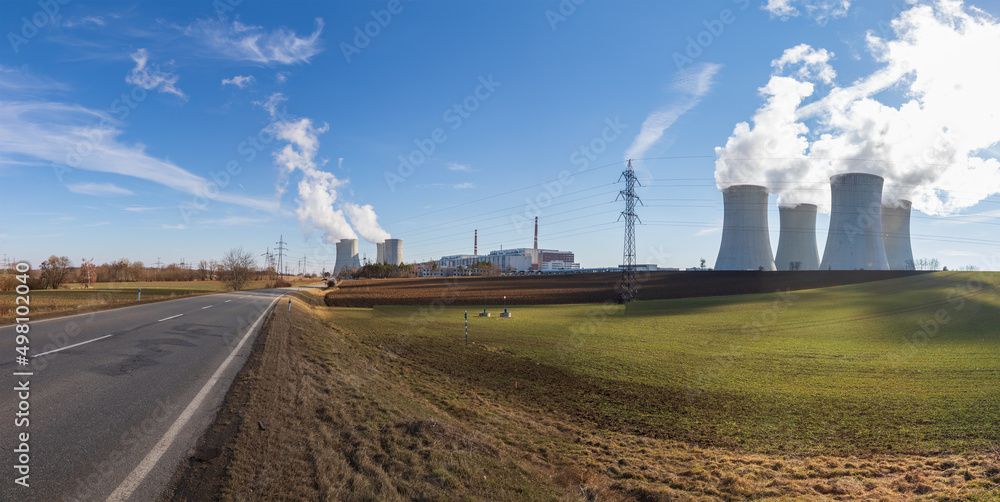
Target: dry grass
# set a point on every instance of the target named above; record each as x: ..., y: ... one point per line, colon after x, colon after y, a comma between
x: 339, y: 425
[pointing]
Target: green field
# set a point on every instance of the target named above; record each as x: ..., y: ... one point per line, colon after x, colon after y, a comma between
x: 73, y: 298
x: 903, y: 366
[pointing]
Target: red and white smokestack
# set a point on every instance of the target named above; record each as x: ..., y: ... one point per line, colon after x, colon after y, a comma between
x: 475, y: 244
x: 536, y: 232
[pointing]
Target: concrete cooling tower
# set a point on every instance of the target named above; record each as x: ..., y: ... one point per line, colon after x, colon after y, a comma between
x: 392, y: 251
x: 797, y: 242
x: 746, y: 244
x: 379, y: 252
x: 896, y: 232
x: 855, y: 239
x: 347, y: 255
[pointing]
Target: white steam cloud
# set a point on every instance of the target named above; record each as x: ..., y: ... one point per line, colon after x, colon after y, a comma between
x: 941, y: 63
x: 317, y: 190
x: 365, y: 221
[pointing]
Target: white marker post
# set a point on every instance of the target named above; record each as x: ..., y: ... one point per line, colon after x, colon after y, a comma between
x: 466, y: 328
x: 140, y: 294
x: 289, y: 304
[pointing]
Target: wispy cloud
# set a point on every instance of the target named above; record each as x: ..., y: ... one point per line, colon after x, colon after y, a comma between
x: 179, y: 226
x: 240, y: 81
x: 53, y: 132
x: 244, y: 42
x: 460, y: 167
x: 99, y: 189
x: 706, y: 231
x: 692, y: 83
x: 141, y: 209
x: 820, y: 11
x: 234, y: 221
x: 464, y: 186
x: 152, y: 78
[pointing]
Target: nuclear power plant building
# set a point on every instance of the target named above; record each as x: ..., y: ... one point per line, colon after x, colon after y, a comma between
x: 797, y: 241
x: 855, y: 240
x: 746, y: 244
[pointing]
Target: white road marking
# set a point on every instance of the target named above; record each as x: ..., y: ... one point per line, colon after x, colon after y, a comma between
x: 227, y: 301
x: 128, y: 486
x: 208, y: 307
x: 168, y: 318
x: 71, y: 346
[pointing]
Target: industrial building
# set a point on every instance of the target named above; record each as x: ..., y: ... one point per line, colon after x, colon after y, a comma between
x: 855, y: 240
x: 347, y: 255
x: 797, y: 239
x: 746, y: 244
x: 511, y: 260
x: 896, y: 232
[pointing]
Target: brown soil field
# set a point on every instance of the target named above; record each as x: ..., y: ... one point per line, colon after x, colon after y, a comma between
x: 585, y: 288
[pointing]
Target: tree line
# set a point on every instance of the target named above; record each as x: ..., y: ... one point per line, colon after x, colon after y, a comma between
x: 237, y: 267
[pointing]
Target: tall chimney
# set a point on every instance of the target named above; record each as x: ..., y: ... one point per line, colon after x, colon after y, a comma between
x: 475, y: 244
x: 536, y: 232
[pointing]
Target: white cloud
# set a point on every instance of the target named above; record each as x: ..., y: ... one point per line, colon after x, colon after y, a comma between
x: 64, y: 135
x: 460, y: 167
x: 98, y: 189
x: 692, y: 83
x: 706, y: 231
x: 243, y: 42
x: 317, y: 189
x: 179, y: 226
x: 152, y: 78
x: 932, y: 148
x: 812, y: 64
x: 365, y: 221
x: 282, y: 76
x: 820, y: 11
x: 464, y: 186
x: 240, y: 81
x: 141, y: 209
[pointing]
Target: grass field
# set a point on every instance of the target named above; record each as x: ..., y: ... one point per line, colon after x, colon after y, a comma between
x: 879, y: 391
x: 907, y: 365
x: 73, y: 298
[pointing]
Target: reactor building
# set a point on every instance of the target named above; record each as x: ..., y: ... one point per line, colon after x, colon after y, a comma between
x: 855, y: 240
x: 797, y: 238
x: 746, y: 244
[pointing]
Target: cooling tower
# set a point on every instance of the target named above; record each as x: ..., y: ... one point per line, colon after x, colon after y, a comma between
x: 379, y: 252
x: 392, y: 251
x: 797, y: 240
x: 855, y: 239
x: 896, y: 232
x: 347, y: 255
x: 746, y: 244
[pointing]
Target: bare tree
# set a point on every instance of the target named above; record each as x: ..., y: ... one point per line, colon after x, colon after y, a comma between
x: 87, y: 273
x: 239, y: 266
x: 55, y: 269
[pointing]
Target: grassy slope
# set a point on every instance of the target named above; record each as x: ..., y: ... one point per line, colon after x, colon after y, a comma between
x: 390, y: 404
x: 844, y: 370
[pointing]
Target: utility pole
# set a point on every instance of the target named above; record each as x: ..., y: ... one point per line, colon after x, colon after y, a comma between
x: 304, y: 264
x: 158, y: 266
x: 281, y: 249
x: 629, y: 288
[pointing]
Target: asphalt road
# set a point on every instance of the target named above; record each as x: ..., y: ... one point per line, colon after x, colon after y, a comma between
x: 118, y: 398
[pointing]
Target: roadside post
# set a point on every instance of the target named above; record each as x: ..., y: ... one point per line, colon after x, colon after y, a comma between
x: 140, y: 294
x: 289, y: 304
x: 467, y: 328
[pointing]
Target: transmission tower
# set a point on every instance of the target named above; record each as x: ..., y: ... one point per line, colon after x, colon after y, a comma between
x: 281, y: 249
x: 629, y: 288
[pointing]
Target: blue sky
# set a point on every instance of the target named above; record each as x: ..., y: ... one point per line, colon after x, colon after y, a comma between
x: 177, y: 130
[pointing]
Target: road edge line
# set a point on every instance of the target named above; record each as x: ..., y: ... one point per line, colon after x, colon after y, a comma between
x: 135, y: 478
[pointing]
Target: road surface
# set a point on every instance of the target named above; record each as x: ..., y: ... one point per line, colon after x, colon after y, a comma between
x: 116, y: 399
